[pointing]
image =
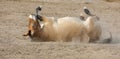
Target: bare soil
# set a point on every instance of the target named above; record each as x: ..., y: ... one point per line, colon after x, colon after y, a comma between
x: 13, y: 23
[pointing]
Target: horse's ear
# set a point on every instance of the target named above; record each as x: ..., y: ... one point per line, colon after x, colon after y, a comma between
x: 32, y: 17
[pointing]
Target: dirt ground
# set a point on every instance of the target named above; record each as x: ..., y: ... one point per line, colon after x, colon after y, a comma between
x: 13, y: 23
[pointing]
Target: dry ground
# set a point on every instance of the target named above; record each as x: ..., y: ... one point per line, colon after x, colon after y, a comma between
x: 13, y: 23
